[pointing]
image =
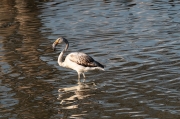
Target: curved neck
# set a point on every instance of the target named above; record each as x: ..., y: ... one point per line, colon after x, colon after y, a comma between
x: 60, y: 59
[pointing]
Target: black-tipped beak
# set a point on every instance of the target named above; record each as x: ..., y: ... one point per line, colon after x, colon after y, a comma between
x: 54, y: 46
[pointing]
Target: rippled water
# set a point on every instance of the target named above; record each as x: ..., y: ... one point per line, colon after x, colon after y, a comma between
x: 137, y: 40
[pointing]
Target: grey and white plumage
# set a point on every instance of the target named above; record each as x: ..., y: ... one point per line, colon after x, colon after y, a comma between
x: 78, y: 61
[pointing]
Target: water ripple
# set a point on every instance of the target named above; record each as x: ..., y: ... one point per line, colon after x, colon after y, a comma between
x: 137, y: 41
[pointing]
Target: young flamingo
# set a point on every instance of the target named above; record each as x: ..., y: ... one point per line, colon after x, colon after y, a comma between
x: 77, y: 61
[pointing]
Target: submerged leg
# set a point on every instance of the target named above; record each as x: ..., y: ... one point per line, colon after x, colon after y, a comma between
x: 79, y: 76
x: 84, y: 77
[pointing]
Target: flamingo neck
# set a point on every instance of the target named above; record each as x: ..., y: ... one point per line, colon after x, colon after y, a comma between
x: 60, y: 59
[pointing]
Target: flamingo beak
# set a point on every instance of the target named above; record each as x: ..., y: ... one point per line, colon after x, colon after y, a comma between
x: 54, y: 45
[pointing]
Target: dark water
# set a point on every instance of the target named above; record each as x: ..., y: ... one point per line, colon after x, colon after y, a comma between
x: 138, y: 41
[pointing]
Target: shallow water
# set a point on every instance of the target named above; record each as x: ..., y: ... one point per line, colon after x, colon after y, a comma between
x: 137, y: 41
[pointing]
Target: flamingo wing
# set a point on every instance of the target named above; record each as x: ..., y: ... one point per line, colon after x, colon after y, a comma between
x: 84, y: 60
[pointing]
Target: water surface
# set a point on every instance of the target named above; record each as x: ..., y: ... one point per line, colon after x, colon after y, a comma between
x: 137, y: 41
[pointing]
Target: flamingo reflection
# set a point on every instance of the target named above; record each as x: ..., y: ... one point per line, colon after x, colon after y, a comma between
x: 70, y: 95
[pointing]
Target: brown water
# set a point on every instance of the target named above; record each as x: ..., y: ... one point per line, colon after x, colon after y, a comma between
x: 137, y: 41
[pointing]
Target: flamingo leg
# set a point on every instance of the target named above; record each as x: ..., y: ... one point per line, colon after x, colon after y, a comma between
x: 84, y: 77
x: 79, y: 76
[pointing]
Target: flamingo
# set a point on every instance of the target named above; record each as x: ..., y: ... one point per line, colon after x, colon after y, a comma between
x: 77, y: 61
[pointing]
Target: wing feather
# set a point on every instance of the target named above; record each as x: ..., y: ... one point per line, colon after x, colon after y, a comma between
x: 84, y: 60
